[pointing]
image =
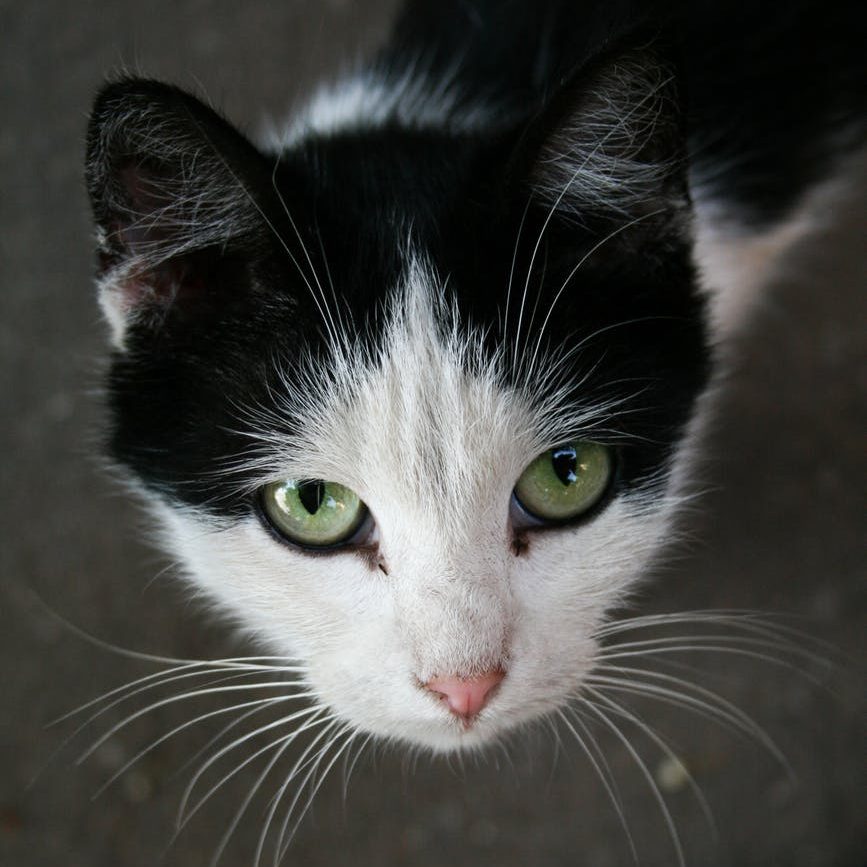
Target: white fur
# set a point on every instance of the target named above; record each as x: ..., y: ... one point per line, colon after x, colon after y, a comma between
x: 116, y: 308
x: 597, y: 157
x: 370, y: 99
x: 433, y: 441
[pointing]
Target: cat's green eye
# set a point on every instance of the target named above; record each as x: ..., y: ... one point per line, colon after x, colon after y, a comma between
x: 313, y: 513
x: 565, y: 482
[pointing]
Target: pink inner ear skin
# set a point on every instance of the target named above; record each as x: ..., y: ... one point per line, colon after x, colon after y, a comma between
x: 146, y: 191
x: 138, y: 285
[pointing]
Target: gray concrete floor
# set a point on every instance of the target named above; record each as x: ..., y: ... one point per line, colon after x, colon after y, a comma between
x: 780, y: 528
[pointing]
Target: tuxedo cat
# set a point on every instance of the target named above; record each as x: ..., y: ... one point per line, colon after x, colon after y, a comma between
x: 409, y: 386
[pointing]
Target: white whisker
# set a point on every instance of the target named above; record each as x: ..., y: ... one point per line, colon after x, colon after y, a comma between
x: 286, y: 742
x: 648, y: 732
x: 324, y: 309
x: 645, y: 772
x: 286, y: 835
x: 300, y: 763
x: 259, y: 703
x: 213, y: 741
x: 603, y: 772
x: 185, y: 815
x: 172, y: 700
x: 611, y: 235
x: 347, y: 775
x: 714, y: 705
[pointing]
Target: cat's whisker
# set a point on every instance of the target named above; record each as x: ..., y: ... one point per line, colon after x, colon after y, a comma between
x: 215, y: 739
x: 184, y: 817
x: 347, y: 771
x: 131, y: 685
x: 185, y: 814
x: 562, y: 380
x: 555, y: 425
x: 328, y: 721
x: 186, y: 696
x: 300, y: 763
x: 540, y: 287
x: 655, y: 738
x: 724, y: 645
x: 155, y: 679
x: 698, y: 698
x: 645, y: 772
x: 230, y: 671
x: 603, y: 772
x: 138, y: 655
x: 261, y: 212
x: 598, y: 245
x: 268, y: 222
x: 324, y: 309
x: 673, y: 698
x: 753, y: 638
x: 413, y: 760
x: 337, y: 306
x: 744, y: 619
x: 518, y: 235
x: 258, y: 703
x: 554, y: 387
x: 708, y: 709
x: 172, y: 566
x: 139, y: 686
x: 313, y: 781
x: 757, y: 626
x: 551, y: 722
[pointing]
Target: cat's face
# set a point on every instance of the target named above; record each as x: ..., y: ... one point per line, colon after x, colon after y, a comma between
x: 416, y: 319
x: 448, y: 578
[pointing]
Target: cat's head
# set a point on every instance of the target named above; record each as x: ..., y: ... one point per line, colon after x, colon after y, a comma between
x: 406, y: 397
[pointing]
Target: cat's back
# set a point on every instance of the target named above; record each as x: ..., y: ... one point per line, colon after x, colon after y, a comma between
x: 769, y: 95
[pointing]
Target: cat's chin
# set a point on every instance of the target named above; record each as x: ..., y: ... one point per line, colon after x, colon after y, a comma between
x: 457, y: 740
x: 451, y: 735
x: 446, y: 738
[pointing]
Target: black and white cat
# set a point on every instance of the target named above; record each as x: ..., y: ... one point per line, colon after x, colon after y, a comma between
x: 410, y: 388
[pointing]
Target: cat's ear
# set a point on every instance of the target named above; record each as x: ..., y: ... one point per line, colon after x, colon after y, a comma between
x: 173, y: 188
x: 610, y: 144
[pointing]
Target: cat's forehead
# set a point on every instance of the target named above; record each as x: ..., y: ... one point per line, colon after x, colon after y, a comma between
x: 428, y: 423
x: 426, y: 404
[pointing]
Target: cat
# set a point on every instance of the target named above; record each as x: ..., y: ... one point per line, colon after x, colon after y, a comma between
x: 411, y: 386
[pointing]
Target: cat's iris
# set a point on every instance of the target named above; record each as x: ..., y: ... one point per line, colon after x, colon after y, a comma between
x: 313, y: 513
x: 565, y: 482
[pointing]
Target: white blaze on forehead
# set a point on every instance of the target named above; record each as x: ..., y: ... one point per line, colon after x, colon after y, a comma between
x: 426, y: 421
x: 421, y: 427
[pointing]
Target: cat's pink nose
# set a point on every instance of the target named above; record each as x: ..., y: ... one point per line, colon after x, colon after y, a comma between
x: 466, y: 697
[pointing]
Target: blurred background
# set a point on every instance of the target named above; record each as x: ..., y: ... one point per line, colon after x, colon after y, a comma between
x: 780, y: 528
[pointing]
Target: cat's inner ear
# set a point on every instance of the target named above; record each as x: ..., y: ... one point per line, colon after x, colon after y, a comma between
x: 173, y: 187
x: 610, y: 144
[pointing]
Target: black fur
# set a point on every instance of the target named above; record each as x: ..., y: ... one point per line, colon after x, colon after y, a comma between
x: 218, y: 288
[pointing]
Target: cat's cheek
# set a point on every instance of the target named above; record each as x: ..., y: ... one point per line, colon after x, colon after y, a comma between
x: 286, y: 598
x: 567, y: 582
x: 334, y: 615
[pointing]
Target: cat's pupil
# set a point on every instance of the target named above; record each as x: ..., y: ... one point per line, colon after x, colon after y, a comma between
x: 565, y: 462
x: 311, y: 495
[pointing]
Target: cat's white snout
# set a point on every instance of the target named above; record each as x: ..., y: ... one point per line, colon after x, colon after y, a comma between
x: 465, y: 697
